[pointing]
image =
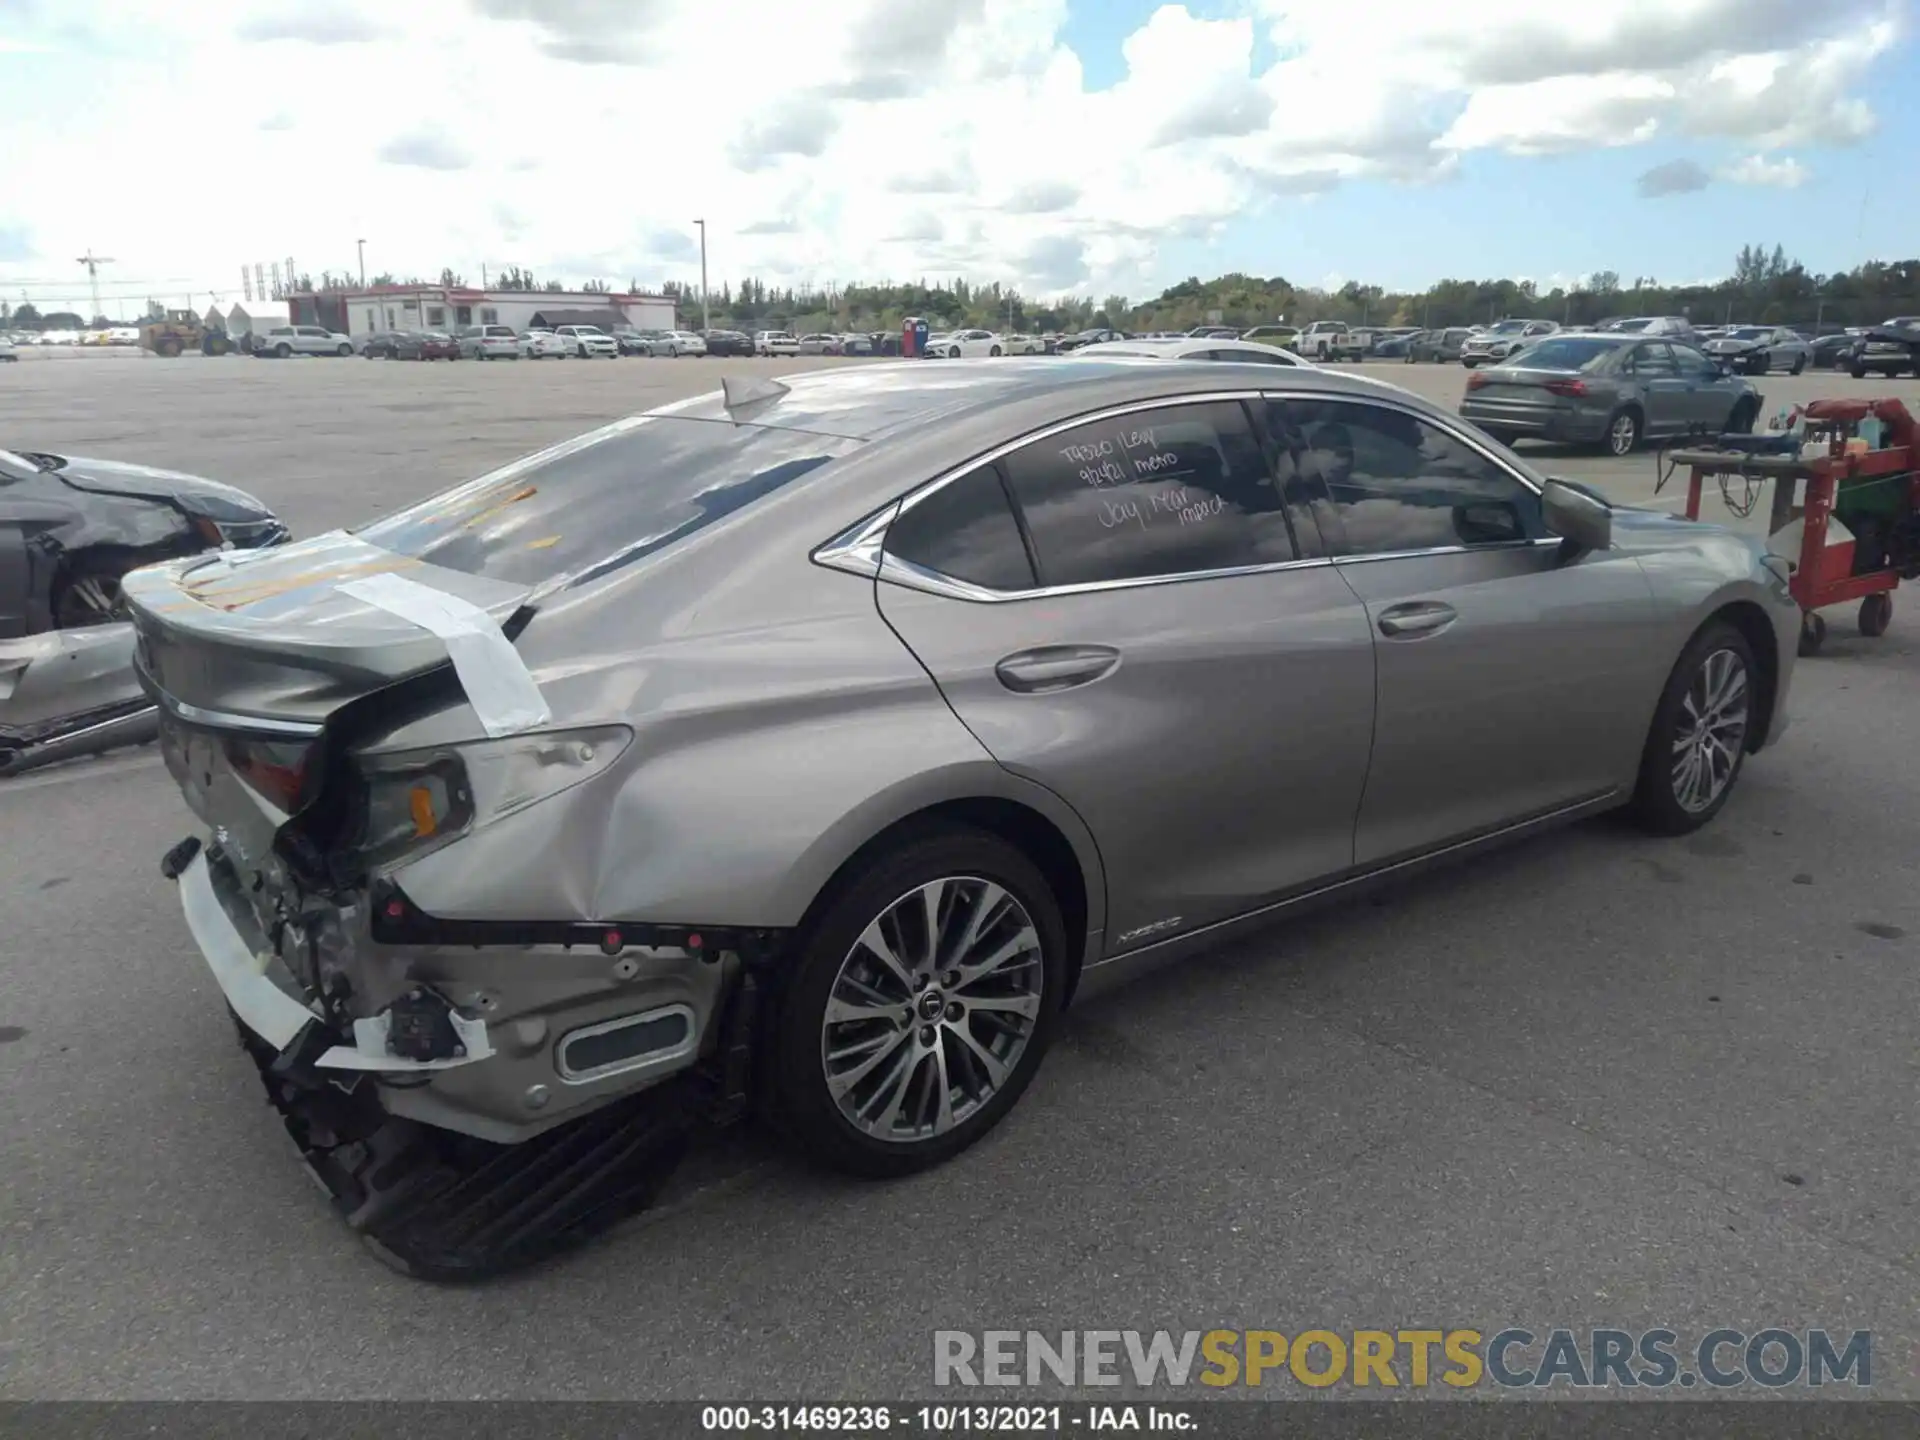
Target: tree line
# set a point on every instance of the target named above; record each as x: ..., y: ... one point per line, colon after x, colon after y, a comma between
x: 1765, y: 287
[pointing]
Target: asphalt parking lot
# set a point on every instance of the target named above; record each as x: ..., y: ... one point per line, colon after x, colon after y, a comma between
x: 1600, y: 1080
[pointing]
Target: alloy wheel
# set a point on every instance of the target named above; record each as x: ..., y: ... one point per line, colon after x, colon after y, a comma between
x: 1712, y: 731
x: 1622, y: 433
x: 932, y: 1009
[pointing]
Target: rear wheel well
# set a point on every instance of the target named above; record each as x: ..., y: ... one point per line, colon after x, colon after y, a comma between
x: 1754, y: 627
x: 1021, y: 826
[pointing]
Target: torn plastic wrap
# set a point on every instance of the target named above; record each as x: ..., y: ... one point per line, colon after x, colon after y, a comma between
x: 496, y: 680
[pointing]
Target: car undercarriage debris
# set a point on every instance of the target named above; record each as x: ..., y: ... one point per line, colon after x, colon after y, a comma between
x: 439, y: 1206
x: 435, y: 1205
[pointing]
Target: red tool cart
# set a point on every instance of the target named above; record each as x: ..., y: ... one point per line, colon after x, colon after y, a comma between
x: 1857, y: 461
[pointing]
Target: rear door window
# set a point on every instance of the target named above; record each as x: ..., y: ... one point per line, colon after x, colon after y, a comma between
x: 1654, y: 359
x: 1173, y: 490
x: 604, y: 500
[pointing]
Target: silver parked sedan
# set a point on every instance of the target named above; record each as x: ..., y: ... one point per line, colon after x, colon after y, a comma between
x: 1761, y: 349
x: 804, y: 748
x: 1612, y: 390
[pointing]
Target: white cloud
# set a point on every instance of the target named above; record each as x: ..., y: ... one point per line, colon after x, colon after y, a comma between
x: 870, y: 138
x: 1786, y: 173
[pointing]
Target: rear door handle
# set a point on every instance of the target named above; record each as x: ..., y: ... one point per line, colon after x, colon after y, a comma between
x: 1055, y: 667
x: 1420, y: 617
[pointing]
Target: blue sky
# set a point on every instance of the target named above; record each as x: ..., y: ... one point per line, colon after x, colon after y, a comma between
x: 1564, y: 214
x: 1083, y: 146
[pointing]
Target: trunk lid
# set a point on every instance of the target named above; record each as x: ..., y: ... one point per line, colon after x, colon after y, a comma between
x: 269, y: 635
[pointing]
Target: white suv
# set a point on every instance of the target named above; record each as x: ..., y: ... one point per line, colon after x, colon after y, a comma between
x: 776, y: 342
x: 586, y: 341
x: 489, y: 342
x: 285, y: 340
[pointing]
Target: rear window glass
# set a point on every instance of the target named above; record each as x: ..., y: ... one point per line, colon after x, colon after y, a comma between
x: 965, y: 529
x: 604, y: 500
x: 1564, y: 353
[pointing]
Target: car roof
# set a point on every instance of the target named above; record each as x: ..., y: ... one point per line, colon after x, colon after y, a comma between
x: 1180, y: 347
x: 874, y: 402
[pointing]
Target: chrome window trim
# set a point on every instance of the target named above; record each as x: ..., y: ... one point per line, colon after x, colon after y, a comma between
x: 860, y: 549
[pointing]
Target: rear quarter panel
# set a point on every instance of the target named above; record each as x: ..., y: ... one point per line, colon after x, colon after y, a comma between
x: 779, y: 726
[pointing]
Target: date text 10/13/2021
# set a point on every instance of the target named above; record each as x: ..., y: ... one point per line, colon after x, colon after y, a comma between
x: 946, y: 1419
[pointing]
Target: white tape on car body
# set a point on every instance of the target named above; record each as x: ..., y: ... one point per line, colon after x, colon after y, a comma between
x: 498, y: 684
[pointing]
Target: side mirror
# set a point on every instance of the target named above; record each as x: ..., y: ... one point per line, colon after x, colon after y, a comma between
x: 1577, y: 515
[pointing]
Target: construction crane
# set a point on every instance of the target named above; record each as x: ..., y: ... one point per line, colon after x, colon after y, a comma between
x: 93, y: 263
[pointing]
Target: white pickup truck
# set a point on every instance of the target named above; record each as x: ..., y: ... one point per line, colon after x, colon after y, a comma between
x: 1331, y: 340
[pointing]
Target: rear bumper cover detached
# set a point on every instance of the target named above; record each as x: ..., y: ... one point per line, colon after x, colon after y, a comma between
x: 497, y: 1041
x: 442, y: 1201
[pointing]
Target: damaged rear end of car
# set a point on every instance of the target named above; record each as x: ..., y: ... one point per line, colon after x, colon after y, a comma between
x: 395, y: 887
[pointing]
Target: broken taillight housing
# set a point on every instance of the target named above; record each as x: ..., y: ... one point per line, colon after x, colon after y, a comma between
x: 275, y: 770
x: 1476, y: 380
x: 415, y: 801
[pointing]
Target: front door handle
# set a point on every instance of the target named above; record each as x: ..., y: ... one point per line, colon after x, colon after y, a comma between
x: 1055, y: 667
x: 1421, y: 617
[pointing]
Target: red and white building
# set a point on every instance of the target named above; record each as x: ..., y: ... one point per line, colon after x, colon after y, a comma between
x: 360, y: 313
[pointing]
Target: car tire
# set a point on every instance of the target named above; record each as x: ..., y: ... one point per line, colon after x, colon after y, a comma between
x: 343, y: 350
x: 1799, y: 364
x: 283, y: 350
x: 1715, y: 678
x: 1622, y: 435
x: 1859, y: 372
x: 968, y: 867
x: 995, y: 351
x: 1744, y: 415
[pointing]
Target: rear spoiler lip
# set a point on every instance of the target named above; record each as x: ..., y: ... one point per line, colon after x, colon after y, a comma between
x: 234, y: 722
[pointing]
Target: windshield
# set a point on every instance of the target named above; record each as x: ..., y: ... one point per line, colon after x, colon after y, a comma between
x: 602, y: 501
x: 1509, y: 327
x: 1749, y: 332
x: 1563, y: 352
x: 1635, y: 325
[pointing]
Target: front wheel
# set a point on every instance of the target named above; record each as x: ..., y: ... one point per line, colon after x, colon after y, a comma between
x: 995, y: 351
x: 343, y: 350
x: 1859, y: 372
x: 1698, y: 740
x: 283, y: 350
x: 1799, y: 364
x: 922, y: 1001
x: 1741, y: 421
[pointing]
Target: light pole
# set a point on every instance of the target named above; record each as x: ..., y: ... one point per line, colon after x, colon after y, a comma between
x: 363, y: 263
x: 704, y: 325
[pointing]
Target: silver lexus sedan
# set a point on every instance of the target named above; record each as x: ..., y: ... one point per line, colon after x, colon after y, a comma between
x: 802, y: 749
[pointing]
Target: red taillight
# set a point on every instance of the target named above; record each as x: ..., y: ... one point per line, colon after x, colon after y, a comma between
x: 1476, y: 380
x: 276, y: 772
x: 1574, y: 388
